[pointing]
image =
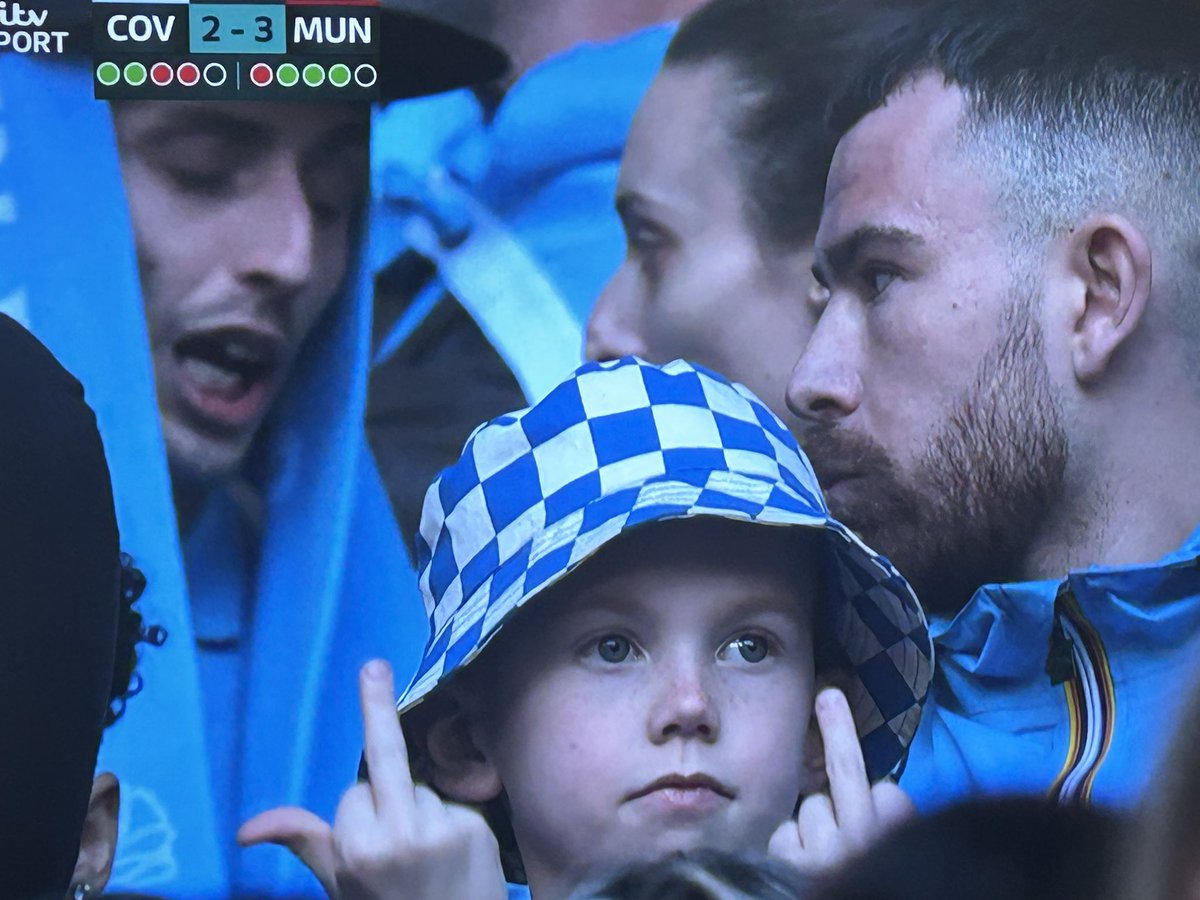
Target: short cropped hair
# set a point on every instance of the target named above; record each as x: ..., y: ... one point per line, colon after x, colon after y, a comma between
x: 701, y: 874
x: 1073, y: 108
x: 788, y: 60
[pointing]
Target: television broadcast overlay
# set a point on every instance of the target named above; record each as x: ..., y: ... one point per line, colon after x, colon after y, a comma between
x: 30, y: 28
x: 223, y: 50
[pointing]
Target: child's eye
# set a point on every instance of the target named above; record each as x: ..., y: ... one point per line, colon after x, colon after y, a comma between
x: 752, y: 648
x: 613, y: 648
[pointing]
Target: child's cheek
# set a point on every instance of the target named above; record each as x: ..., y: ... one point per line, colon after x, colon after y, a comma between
x: 769, y: 741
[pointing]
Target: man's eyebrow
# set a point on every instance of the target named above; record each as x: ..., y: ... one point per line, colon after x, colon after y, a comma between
x: 837, y: 259
x: 628, y: 203
x: 210, y: 123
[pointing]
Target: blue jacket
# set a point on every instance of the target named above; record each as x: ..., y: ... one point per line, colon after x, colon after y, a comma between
x: 1068, y: 689
x: 329, y: 582
x: 517, y: 212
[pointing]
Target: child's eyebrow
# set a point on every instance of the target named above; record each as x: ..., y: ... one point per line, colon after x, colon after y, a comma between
x: 740, y: 605
x: 597, y: 599
x: 761, y: 605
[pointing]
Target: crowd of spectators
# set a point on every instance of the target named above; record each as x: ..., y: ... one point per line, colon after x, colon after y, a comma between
x: 750, y: 438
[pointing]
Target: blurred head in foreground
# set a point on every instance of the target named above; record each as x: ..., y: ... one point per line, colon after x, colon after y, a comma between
x: 67, y: 626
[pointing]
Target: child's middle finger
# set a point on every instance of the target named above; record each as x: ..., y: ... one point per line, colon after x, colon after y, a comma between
x: 848, y: 785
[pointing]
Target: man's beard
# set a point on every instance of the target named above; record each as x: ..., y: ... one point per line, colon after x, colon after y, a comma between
x: 967, y: 513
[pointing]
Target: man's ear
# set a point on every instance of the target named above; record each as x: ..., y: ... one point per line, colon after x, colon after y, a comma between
x: 98, y: 845
x: 1111, y: 257
x: 459, y: 769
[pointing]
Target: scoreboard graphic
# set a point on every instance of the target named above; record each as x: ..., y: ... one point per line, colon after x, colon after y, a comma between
x: 234, y: 50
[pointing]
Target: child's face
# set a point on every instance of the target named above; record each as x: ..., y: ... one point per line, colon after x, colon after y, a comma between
x: 656, y: 701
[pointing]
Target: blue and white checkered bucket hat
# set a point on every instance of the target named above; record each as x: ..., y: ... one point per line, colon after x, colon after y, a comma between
x: 623, y: 443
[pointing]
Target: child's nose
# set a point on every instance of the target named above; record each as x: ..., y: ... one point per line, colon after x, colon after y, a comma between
x: 685, y: 708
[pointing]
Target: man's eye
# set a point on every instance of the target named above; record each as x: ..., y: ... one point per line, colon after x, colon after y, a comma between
x: 613, y: 648
x: 878, y: 280
x: 328, y: 213
x: 643, y: 236
x: 202, y: 181
x: 752, y: 648
x: 336, y: 192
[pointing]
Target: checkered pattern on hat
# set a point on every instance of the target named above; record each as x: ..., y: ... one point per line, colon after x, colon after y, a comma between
x: 625, y: 442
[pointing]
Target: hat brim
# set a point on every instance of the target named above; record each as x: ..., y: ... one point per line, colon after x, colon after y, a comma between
x: 420, y: 56
x: 881, y: 631
x: 874, y: 623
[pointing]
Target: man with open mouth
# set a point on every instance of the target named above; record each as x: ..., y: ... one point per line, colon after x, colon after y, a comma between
x: 246, y: 219
x: 244, y: 216
x: 197, y: 265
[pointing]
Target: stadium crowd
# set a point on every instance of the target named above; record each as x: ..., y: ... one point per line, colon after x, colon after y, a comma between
x: 733, y: 449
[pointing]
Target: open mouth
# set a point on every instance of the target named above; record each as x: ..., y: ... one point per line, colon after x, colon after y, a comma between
x: 226, y: 373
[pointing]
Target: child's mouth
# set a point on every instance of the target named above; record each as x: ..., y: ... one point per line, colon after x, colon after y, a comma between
x: 697, y: 793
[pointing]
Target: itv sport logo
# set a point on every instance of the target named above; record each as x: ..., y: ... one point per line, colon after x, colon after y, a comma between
x: 26, y: 28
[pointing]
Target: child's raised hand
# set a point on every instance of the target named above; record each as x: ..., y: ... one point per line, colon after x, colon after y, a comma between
x: 390, y: 837
x: 831, y: 826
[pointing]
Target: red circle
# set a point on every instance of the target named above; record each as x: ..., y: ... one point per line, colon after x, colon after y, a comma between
x: 260, y: 74
x: 161, y: 74
x: 188, y: 74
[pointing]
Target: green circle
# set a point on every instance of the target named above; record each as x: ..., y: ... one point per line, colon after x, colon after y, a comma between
x: 339, y: 75
x: 135, y: 74
x: 108, y: 73
x: 287, y: 75
x: 314, y: 75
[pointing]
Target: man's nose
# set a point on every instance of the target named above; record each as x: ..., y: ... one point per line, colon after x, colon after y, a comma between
x: 826, y: 383
x: 277, y: 240
x: 613, y: 327
x: 684, y: 706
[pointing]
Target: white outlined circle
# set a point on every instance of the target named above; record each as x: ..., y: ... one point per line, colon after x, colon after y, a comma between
x: 365, y: 75
x: 215, y: 74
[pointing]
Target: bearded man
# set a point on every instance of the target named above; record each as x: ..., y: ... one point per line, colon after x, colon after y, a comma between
x: 1001, y: 392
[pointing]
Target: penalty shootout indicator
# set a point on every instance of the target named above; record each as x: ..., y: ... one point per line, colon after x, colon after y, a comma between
x: 299, y: 50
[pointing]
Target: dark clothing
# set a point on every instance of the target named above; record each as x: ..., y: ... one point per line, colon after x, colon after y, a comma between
x: 59, y: 606
x: 425, y: 402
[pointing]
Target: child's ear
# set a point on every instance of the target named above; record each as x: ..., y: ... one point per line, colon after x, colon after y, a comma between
x: 458, y: 768
x: 815, y: 778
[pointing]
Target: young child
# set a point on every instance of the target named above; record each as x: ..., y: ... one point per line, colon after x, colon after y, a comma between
x: 632, y: 588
